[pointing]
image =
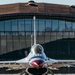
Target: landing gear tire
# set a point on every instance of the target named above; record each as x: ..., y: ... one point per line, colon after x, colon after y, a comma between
x: 50, y: 72
x: 24, y: 73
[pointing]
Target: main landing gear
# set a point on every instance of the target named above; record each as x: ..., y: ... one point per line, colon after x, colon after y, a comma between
x: 50, y: 72
x: 23, y: 72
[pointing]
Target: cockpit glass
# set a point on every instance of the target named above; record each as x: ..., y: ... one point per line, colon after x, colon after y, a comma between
x: 38, y: 50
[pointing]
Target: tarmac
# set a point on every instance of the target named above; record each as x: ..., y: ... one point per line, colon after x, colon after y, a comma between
x: 17, y: 72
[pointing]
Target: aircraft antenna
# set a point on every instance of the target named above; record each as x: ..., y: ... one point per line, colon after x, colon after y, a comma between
x: 34, y: 18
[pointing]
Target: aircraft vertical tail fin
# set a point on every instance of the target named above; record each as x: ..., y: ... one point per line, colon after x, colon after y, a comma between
x: 34, y: 18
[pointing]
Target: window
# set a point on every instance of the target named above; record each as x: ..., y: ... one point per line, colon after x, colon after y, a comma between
x: 28, y: 24
x: 41, y: 25
x: 55, y: 25
x: 48, y: 26
x: 8, y: 25
x: 21, y: 26
x: 2, y: 27
x: 73, y: 26
x: 68, y: 26
x: 61, y: 25
x: 14, y: 25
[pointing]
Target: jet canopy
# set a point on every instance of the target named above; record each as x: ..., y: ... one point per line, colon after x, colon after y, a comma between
x: 37, y: 49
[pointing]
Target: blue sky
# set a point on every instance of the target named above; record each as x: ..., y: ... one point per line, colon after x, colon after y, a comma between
x: 64, y: 2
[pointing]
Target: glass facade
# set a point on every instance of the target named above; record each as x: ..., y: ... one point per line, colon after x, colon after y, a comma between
x: 15, y: 34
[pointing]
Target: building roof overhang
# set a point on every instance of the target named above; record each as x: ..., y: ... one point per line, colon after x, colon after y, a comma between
x: 45, y: 8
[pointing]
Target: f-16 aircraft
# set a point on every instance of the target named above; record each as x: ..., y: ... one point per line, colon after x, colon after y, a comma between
x: 36, y: 63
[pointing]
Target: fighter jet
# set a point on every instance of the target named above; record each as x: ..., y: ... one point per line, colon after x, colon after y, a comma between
x: 36, y: 63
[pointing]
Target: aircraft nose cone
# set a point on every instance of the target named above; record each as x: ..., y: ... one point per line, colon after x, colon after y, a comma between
x: 37, y: 63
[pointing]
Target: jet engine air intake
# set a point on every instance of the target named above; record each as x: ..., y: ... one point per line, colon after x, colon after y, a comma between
x: 36, y: 71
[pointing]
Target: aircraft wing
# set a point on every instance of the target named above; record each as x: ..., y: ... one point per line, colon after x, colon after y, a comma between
x: 19, y: 64
x: 56, y: 64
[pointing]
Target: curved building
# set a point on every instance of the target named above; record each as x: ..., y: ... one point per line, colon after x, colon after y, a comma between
x: 55, y: 29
